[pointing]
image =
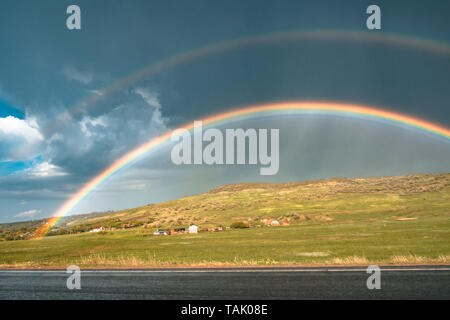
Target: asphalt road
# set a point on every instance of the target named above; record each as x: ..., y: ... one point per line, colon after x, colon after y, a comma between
x: 418, y: 282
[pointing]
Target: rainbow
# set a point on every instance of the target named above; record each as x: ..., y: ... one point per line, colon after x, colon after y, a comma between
x: 285, y: 108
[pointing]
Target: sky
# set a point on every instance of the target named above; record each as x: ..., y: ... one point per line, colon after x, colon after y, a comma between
x: 47, y: 154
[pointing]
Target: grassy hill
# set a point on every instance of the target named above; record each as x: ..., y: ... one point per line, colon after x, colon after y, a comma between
x: 389, y: 220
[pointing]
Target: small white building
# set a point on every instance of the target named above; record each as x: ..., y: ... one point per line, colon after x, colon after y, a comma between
x: 274, y: 223
x: 98, y: 229
x: 193, y: 229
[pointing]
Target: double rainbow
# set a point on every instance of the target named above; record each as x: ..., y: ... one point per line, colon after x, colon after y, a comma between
x: 285, y: 108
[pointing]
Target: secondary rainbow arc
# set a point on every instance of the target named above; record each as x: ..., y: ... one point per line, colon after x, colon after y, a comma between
x: 233, y: 115
x: 439, y: 48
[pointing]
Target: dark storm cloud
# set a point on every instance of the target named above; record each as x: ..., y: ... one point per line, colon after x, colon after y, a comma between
x: 86, y: 146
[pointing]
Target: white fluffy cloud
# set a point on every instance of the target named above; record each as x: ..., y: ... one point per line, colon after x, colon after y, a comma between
x: 45, y: 169
x: 29, y: 213
x: 72, y: 73
x: 151, y: 98
x: 87, y: 123
x: 19, y: 139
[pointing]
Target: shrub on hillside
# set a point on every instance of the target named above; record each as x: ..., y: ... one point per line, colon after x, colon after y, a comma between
x: 239, y: 225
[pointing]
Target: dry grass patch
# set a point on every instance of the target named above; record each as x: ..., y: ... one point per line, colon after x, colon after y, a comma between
x: 352, y: 260
x: 117, y: 261
x: 415, y: 259
x: 313, y: 254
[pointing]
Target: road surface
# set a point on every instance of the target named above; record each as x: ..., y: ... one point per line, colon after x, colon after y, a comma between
x: 418, y: 282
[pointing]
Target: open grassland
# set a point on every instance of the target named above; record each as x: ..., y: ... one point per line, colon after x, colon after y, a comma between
x: 352, y: 242
x: 391, y: 220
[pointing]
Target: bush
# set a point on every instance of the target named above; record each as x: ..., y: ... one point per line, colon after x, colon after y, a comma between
x: 239, y: 225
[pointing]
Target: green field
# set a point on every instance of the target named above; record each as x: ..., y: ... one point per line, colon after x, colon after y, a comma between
x: 390, y: 220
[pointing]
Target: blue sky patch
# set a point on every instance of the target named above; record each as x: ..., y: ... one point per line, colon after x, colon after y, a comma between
x: 7, y: 110
x: 10, y: 167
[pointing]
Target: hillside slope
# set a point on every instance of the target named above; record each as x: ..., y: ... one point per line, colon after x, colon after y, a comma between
x: 254, y: 203
x: 321, y: 200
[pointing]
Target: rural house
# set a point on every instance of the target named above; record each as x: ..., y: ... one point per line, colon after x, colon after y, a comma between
x: 98, y: 229
x: 193, y: 229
